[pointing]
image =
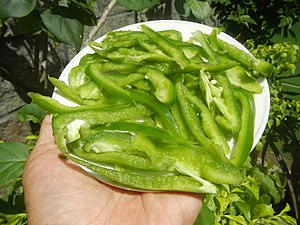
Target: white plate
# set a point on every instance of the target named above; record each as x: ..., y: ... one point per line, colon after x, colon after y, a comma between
x: 262, y: 101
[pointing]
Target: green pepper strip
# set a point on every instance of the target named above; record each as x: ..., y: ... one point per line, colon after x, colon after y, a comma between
x: 213, y: 39
x: 201, y: 162
x: 94, y: 72
x: 189, y: 49
x: 244, y: 142
x: 143, y: 144
x: 69, y: 93
x: 139, y: 128
x: 238, y: 77
x: 114, y: 40
x: 230, y: 119
x: 128, y: 160
x: 164, y: 89
x: 157, y: 181
x: 147, y: 131
x: 94, y: 117
x: 150, y: 47
x: 202, y: 39
x: 54, y: 107
x: 131, y: 78
x: 162, y: 110
x: 111, y: 148
x: 179, y: 120
x: 189, y: 115
x: 210, y: 127
x: 132, y: 96
x: 211, y: 67
x: 131, y: 55
x: 166, y: 46
x: 249, y: 61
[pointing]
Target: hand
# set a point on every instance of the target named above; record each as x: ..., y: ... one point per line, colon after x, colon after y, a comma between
x: 59, y: 192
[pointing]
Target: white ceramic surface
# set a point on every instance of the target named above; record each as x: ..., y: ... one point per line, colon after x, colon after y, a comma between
x: 262, y: 101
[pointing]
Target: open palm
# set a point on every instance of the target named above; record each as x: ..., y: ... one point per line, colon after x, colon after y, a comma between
x: 58, y: 192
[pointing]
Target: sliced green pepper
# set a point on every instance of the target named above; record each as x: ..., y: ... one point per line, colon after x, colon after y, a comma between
x: 162, y: 110
x: 167, y: 47
x: 201, y: 162
x: 164, y: 89
x: 249, y: 61
x: 75, y: 120
x: 230, y: 118
x: 160, y: 126
x: 239, y: 78
x: 190, y: 116
x: 203, y: 40
x: 155, y: 132
x: 157, y: 181
x: 70, y: 93
x: 54, y: 107
x: 94, y: 72
x: 243, y: 145
x: 210, y: 127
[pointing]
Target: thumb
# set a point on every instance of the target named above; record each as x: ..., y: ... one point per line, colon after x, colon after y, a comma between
x: 46, y: 134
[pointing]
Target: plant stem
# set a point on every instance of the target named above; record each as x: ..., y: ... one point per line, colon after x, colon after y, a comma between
x: 101, y: 21
x: 285, y: 171
x: 43, y: 67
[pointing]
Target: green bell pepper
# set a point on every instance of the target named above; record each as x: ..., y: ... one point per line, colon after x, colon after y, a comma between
x: 243, y: 145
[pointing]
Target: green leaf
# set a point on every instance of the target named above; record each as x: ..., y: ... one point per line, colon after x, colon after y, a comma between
x: 182, y: 8
x: 13, y: 156
x: 262, y: 211
x: 200, y: 9
x: 248, y: 19
x: 267, y: 184
x: 62, y: 23
x: 205, y: 217
x: 239, y: 219
x: 138, y: 5
x: 244, y: 208
x: 291, y: 85
x: 13, y: 219
x: 31, y: 112
x: 16, y: 8
x: 85, y: 3
x: 6, y: 190
x: 35, y: 24
x: 223, y: 202
x: 83, y: 13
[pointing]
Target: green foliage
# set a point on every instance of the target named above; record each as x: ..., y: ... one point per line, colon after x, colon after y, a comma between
x: 63, y: 26
x: 193, y: 10
x: 13, y: 219
x: 257, y: 21
x: 62, y: 22
x: 282, y: 132
x: 16, y: 8
x: 31, y: 112
x: 138, y: 5
x: 12, y: 208
x: 13, y: 156
x: 252, y: 202
x: 12, y: 160
x: 284, y: 84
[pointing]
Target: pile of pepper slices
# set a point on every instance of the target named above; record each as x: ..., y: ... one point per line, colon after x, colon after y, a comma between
x: 155, y: 112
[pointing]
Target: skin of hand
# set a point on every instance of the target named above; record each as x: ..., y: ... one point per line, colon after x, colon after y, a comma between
x: 59, y: 192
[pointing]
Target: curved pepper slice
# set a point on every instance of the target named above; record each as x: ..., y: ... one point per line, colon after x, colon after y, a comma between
x: 164, y: 89
x: 244, y: 142
x: 166, y: 46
